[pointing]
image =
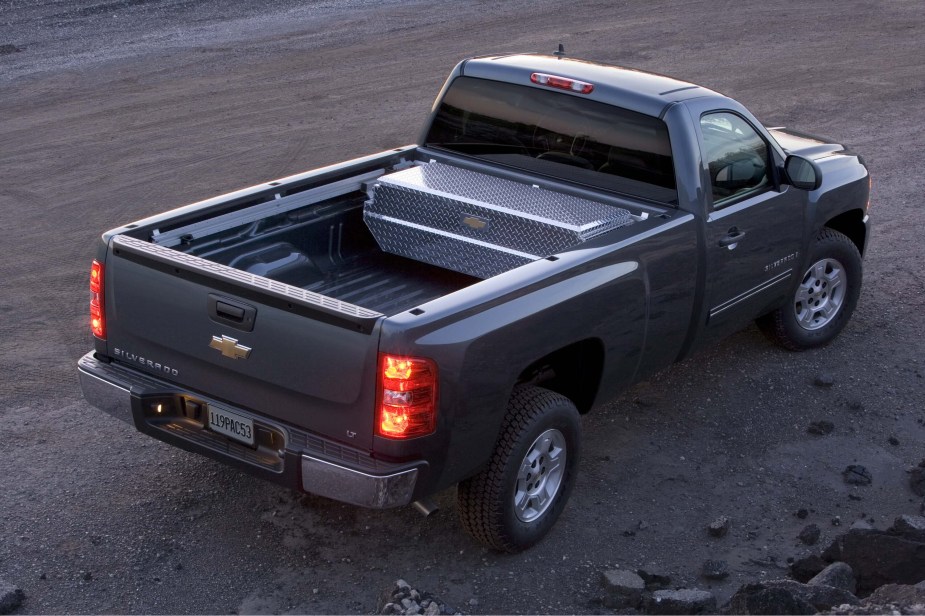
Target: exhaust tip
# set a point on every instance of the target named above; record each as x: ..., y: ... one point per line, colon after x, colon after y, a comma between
x: 426, y: 506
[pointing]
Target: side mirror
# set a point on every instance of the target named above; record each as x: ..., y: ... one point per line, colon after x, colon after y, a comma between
x: 802, y: 173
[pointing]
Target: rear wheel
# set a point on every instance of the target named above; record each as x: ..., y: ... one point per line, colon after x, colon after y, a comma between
x: 824, y: 299
x: 514, y: 501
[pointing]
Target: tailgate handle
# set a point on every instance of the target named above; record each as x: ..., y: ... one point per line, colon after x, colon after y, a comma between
x: 231, y: 313
x: 227, y: 311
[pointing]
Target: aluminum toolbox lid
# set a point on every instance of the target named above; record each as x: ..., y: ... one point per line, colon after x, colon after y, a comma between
x: 584, y: 217
x: 476, y: 223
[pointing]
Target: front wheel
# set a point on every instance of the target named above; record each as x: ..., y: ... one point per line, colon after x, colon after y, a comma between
x: 514, y: 501
x: 824, y: 299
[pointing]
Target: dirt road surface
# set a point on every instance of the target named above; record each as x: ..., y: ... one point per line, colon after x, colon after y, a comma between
x: 111, y: 111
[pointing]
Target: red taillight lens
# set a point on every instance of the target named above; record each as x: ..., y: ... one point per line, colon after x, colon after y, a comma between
x: 406, y: 397
x: 563, y: 83
x: 97, y: 321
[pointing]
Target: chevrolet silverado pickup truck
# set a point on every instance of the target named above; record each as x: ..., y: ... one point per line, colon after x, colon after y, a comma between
x: 443, y: 313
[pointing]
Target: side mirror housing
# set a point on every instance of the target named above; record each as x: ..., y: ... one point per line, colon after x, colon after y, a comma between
x: 802, y: 173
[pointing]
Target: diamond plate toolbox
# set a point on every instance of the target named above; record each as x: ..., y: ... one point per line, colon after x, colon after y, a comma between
x: 478, y: 224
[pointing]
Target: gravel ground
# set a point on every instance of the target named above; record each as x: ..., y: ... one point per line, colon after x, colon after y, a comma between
x: 113, y: 110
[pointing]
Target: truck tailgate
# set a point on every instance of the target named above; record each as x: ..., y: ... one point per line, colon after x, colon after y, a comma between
x: 291, y: 355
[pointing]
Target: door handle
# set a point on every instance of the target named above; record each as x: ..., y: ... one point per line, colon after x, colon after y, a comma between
x: 732, y: 237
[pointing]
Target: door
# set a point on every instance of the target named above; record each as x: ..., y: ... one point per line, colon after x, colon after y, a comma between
x: 755, y: 225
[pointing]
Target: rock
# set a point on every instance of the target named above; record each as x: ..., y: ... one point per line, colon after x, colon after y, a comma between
x: 715, y: 570
x: 622, y: 588
x: 802, y: 513
x: 11, y: 597
x: 917, y: 479
x: 654, y: 581
x: 8, y: 48
x: 893, y: 440
x: 836, y: 575
x: 810, y: 534
x: 432, y: 610
x: 759, y: 599
x: 682, y: 601
x: 820, y: 596
x: 879, y: 557
x: 911, y: 526
x: 820, y: 428
x: 807, y: 568
x: 824, y: 380
x: 862, y: 524
x: 403, y: 599
x: 897, y: 594
x: 857, y: 475
x: 836, y: 521
x: 719, y: 527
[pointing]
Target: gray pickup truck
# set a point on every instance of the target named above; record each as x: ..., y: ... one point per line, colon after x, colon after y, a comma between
x: 439, y: 314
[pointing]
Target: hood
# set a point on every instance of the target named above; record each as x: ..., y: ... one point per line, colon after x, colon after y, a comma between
x: 805, y: 145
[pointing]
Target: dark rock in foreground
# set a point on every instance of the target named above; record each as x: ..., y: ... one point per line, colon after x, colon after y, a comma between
x: 804, y: 569
x: 715, y: 569
x: 11, y: 597
x: 837, y: 575
x: 917, y: 479
x: 888, y: 599
x: 879, y: 557
x: 760, y: 599
x: 405, y: 600
x: 824, y: 380
x: 810, y: 534
x: 820, y: 596
x: 719, y: 527
x: 820, y: 428
x: 682, y: 601
x: 622, y: 589
x: 654, y: 581
x: 857, y: 475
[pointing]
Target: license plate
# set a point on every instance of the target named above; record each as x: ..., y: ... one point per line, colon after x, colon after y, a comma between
x: 231, y: 425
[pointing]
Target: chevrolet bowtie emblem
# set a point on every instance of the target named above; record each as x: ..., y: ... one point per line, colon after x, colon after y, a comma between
x: 475, y: 222
x: 230, y: 347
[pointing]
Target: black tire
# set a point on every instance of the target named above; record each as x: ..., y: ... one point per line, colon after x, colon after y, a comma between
x: 802, y: 322
x: 487, y: 507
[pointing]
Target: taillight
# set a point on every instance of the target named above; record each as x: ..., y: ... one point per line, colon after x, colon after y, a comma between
x: 97, y: 320
x: 563, y: 83
x: 406, y: 397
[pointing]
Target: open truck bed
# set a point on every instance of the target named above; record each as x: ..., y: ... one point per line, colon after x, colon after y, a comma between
x: 387, y: 243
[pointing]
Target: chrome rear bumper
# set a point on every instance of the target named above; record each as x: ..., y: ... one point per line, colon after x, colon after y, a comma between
x: 117, y: 390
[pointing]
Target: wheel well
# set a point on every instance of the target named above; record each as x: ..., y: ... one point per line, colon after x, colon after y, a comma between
x: 851, y: 224
x: 573, y: 371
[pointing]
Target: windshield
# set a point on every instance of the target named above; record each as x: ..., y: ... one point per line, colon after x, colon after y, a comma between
x: 557, y: 134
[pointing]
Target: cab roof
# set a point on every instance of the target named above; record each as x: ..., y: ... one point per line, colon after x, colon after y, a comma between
x: 637, y: 90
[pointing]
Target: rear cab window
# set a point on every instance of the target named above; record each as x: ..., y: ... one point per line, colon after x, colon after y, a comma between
x: 558, y: 135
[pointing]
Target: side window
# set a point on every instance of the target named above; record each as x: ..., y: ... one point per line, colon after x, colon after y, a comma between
x: 736, y: 155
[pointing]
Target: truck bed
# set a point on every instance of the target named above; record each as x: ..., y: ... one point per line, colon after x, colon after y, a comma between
x: 327, y: 249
